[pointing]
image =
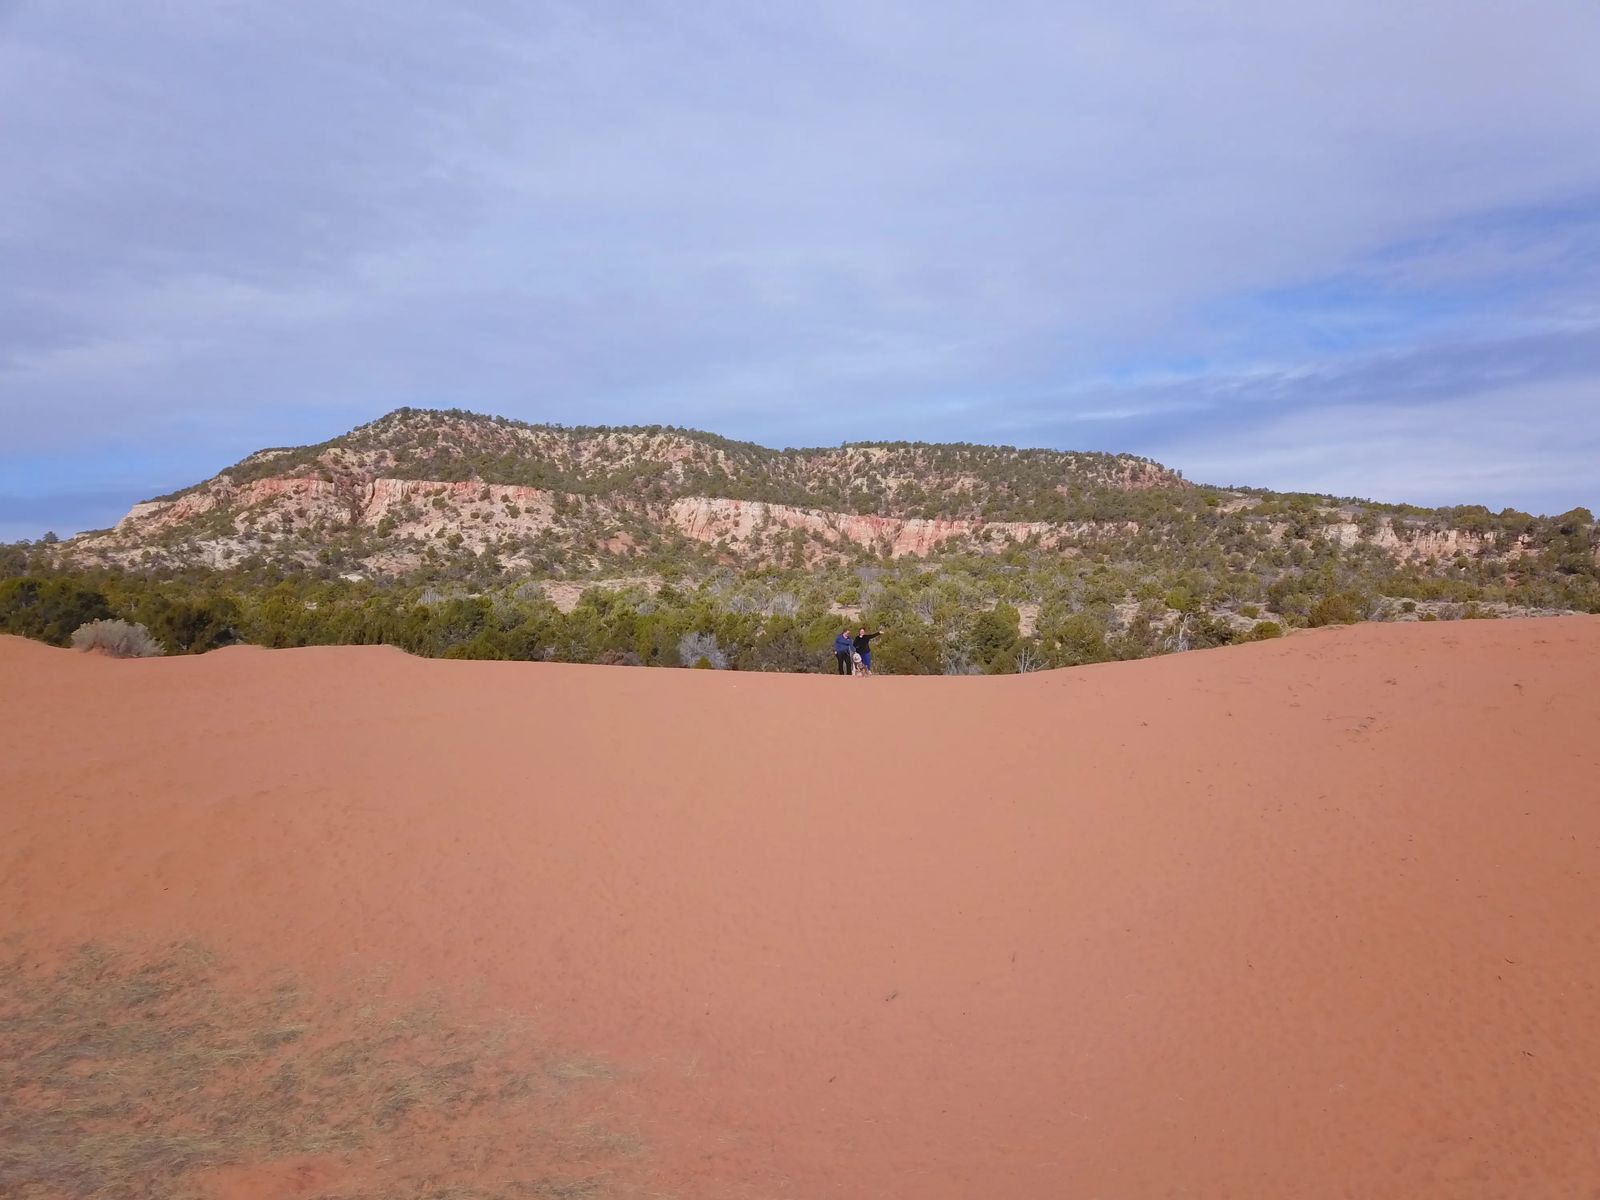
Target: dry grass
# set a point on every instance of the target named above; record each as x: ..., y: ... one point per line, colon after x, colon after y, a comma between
x: 132, y: 1079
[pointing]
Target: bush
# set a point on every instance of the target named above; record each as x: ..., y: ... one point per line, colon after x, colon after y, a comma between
x: 994, y: 636
x: 1073, y: 639
x: 1342, y: 608
x: 910, y: 647
x: 48, y: 609
x: 1266, y: 630
x: 701, y: 650
x: 1181, y: 599
x: 781, y: 646
x: 189, y: 626
x: 119, y: 639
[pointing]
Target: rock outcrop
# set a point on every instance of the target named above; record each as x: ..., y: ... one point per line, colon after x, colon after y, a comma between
x: 429, y: 488
x: 737, y: 523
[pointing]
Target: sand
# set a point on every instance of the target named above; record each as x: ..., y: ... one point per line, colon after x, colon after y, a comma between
x: 1313, y: 918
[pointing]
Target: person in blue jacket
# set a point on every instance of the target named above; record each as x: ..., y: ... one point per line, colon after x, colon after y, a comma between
x: 843, y: 649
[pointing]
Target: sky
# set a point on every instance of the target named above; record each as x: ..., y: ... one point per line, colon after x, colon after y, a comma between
x: 1348, y: 248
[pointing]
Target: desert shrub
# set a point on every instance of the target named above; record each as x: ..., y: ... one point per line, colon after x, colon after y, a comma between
x: 1073, y: 639
x: 1285, y: 597
x: 909, y: 647
x: 994, y: 636
x: 1266, y: 630
x: 1342, y: 608
x: 1141, y: 638
x: 782, y: 646
x: 701, y: 650
x: 1202, y: 631
x: 119, y: 639
x: 956, y: 662
x: 188, y: 626
x: 48, y: 609
x: 1181, y: 599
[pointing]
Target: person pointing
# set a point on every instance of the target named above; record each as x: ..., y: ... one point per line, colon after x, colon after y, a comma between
x: 863, y: 649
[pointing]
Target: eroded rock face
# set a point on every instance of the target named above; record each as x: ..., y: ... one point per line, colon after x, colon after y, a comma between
x: 1410, y: 544
x: 501, y: 505
x: 153, y: 516
x: 227, y: 521
x: 738, y: 522
x: 223, y: 521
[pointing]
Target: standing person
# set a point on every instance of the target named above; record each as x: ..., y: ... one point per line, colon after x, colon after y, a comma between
x: 843, y: 648
x: 863, y: 649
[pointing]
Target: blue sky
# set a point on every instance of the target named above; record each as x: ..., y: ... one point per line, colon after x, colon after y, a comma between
x: 1350, y: 248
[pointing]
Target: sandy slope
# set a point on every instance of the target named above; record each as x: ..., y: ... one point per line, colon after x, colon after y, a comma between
x: 1317, y: 918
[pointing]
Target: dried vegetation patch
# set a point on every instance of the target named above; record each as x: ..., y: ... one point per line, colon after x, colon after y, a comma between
x: 141, y: 1076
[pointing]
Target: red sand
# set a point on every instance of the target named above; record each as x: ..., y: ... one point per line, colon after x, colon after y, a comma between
x: 1316, y: 918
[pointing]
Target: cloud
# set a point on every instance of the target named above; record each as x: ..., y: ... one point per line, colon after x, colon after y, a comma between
x: 66, y: 513
x: 1517, y: 446
x: 241, y: 224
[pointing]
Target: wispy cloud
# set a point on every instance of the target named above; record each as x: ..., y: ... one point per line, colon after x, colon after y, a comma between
x: 1518, y: 446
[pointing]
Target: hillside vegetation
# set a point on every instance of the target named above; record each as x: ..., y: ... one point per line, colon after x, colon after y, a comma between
x: 449, y: 533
